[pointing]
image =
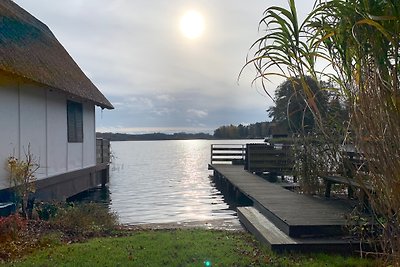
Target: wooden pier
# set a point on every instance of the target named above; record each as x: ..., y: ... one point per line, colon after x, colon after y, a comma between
x: 283, y: 219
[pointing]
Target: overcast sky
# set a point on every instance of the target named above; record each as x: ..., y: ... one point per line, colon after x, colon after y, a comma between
x: 157, y: 79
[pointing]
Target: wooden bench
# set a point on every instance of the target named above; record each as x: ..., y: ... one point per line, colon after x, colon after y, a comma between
x: 265, y: 158
x: 353, y: 164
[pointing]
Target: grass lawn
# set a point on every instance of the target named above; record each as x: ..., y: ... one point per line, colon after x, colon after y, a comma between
x: 181, y: 247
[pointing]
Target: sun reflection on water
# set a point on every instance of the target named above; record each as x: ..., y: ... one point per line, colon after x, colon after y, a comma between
x: 164, y: 182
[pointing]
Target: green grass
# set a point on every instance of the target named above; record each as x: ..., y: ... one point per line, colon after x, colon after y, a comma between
x: 184, y: 247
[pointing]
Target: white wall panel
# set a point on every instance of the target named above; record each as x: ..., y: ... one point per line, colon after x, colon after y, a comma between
x: 9, y: 125
x: 75, y: 156
x: 56, y: 133
x: 89, y: 135
x: 33, y: 125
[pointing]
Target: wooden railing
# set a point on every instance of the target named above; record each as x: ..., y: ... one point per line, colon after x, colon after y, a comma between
x: 269, y: 158
x: 228, y: 153
x: 102, y: 150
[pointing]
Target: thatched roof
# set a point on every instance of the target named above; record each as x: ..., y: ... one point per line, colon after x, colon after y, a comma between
x: 29, y: 49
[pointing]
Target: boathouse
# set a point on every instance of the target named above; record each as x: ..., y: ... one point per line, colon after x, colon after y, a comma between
x: 47, y: 103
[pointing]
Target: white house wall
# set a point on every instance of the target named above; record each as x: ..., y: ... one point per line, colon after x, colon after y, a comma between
x: 35, y: 115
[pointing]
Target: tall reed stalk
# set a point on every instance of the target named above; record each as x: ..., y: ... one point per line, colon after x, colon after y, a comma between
x: 357, y: 44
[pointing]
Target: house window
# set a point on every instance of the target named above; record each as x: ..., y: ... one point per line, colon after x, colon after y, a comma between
x: 75, y: 122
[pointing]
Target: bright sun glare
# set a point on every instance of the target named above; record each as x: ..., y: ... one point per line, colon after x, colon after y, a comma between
x: 192, y: 24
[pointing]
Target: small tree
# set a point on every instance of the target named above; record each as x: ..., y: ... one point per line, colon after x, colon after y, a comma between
x: 292, y: 107
x: 22, y: 177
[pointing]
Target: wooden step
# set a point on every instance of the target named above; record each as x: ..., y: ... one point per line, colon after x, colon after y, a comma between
x: 263, y: 229
x: 266, y: 232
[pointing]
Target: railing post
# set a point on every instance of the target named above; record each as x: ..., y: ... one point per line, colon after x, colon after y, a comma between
x: 99, y: 153
x: 211, y: 155
x: 102, y: 150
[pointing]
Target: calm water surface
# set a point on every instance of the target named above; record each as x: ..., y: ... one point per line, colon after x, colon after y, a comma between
x: 165, y: 182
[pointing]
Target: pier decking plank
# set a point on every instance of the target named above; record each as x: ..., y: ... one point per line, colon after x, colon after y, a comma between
x: 295, y: 214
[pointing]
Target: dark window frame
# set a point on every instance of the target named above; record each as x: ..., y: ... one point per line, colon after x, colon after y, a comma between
x: 74, y: 122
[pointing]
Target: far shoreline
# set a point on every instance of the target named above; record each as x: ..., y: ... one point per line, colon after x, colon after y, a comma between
x: 164, y: 137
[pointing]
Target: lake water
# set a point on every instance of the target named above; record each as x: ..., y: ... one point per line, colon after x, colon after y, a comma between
x: 166, y: 182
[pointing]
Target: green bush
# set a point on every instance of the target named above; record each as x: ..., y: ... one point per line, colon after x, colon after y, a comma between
x: 46, y: 210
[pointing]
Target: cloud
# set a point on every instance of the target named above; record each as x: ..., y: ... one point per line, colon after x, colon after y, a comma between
x: 142, y: 102
x: 165, y: 98
x: 197, y: 113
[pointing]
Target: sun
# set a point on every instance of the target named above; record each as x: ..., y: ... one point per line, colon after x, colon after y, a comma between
x: 192, y: 24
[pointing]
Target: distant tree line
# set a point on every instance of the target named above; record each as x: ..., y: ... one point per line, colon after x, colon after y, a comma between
x: 152, y: 136
x: 255, y: 130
